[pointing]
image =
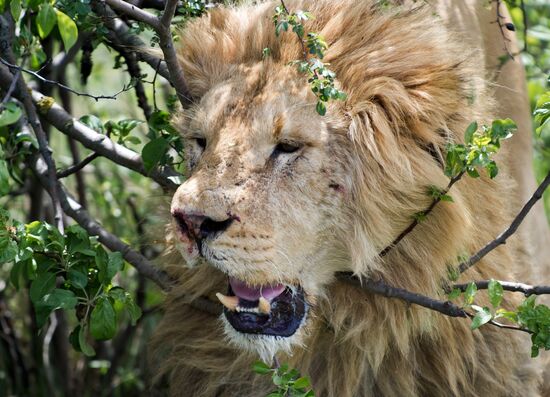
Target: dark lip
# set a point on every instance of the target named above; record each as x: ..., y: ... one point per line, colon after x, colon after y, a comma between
x: 288, y: 312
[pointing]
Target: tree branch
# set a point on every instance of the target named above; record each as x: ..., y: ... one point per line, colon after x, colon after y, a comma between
x: 100, y: 143
x: 134, y: 12
x: 162, y: 27
x: 22, y: 92
x: 525, y: 289
x: 120, y: 35
x: 379, y: 287
x: 501, y: 239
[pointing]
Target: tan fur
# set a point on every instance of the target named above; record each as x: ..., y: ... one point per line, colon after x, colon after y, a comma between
x: 364, y: 171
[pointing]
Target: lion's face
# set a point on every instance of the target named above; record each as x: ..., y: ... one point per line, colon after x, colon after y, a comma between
x: 265, y: 190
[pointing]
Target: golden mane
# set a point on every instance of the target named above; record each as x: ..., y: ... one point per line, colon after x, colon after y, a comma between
x: 412, y: 87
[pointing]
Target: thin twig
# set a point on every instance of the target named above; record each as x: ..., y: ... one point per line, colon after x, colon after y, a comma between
x: 501, y: 239
x: 154, y: 83
x: 77, y: 167
x: 415, y: 222
x: 127, y: 87
x: 503, y: 29
x: 10, y: 89
x: 525, y: 24
x: 503, y: 326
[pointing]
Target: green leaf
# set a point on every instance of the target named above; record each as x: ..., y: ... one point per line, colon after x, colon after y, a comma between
x: 45, y: 20
x: 261, y: 368
x: 301, y: 383
x: 42, y: 285
x: 78, y: 277
x: 118, y: 294
x: 15, y: 9
x: 109, y: 268
x: 512, y: 316
x: 85, y: 347
x: 10, y: 114
x: 482, y: 317
x: 321, y: 108
x: 8, y: 250
x: 93, y: 122
x: 469, y: 134
x: 103, y: 320
x: 492, y: 169
x: 57, y: 299
x: 153, y: 152
x: 495, y: 293
x: 67, y: 29
x: 470, y: 293
x: 455, y: 293
x: 4, y: 180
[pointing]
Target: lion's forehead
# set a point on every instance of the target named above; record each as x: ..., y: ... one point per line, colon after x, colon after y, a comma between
x: 247, y: 109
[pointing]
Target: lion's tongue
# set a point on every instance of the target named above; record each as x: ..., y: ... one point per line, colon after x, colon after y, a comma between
x: 249, y: 293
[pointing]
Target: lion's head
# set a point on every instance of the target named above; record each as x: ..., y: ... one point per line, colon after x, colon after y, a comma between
x: 279, y: 198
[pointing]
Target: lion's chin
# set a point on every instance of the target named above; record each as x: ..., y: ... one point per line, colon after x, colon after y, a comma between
x: 265, y: 346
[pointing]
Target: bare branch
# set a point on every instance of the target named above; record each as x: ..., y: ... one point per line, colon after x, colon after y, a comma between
x: 100, y: 143
x: 120, y: 35
x: 167, y: 45
x: 379, y: 287
x: 22, y: 91
x: 77, y: 167
x: 65, y: 87
x: 134, y: 12
x: 162, y: 27
x: 525, y: 289
x: 501, y: 239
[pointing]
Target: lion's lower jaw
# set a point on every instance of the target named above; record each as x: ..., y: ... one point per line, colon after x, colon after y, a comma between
x: 266, y: 346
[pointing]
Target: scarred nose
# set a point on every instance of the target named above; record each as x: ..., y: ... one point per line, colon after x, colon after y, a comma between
x: 199, y: 227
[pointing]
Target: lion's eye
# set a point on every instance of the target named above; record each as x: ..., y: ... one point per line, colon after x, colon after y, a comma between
x: 201, y: 142
x: 286, y: 147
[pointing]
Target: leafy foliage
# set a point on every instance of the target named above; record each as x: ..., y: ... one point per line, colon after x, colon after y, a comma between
x: 67, y: 271
x: 480, y: 144
x: 322, y: 80
x: 528, y: 316
x: 288, y: 381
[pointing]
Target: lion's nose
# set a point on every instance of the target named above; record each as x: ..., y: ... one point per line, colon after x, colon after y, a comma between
x: 199, y: 227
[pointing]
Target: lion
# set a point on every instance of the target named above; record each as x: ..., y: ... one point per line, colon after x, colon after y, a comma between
x: 279, y: 199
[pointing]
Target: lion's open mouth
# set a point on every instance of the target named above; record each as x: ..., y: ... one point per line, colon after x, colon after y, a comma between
x: 275, y: 310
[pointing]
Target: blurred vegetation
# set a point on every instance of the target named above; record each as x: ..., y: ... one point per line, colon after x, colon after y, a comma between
x: 536, y: 40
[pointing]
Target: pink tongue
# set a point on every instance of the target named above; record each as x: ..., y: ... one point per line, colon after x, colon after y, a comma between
x: 249, y: 293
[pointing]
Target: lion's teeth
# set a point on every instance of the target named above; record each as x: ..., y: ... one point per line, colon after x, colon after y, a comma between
x: 264, y: 305
x: 230, y: 302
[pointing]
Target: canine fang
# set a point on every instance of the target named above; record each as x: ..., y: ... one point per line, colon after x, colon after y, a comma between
x: 231, y: 302
x: 264, y: 305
